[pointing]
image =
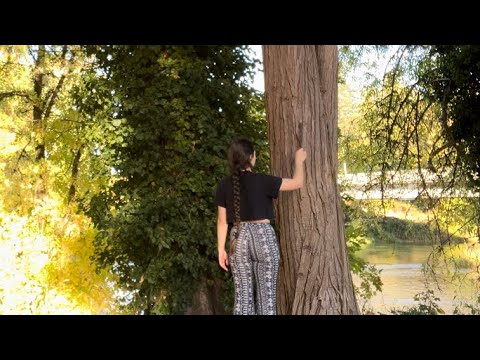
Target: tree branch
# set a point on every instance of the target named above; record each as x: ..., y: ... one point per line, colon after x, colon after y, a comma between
x: 75, y: 167
x: 53, y: 97
x: 8, y: 94
x: 57, y: 89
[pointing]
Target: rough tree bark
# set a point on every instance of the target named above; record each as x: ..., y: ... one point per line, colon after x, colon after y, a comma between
x: 302, y: 100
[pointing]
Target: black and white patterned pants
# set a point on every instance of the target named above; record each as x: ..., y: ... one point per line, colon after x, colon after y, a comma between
x: 254, y: 265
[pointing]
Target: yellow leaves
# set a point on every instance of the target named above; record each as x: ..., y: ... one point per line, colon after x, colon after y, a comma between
x: 348, y: 109
x: 22, y: 256
x: 7, y: 142
x: 45, y: 263
x: 45, y: 246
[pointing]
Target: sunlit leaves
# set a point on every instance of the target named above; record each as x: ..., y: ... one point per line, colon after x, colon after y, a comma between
x: 45, y: 265
x: 45, y: 244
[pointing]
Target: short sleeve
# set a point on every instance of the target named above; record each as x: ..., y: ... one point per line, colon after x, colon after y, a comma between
x: 220, y: 198
x: 273, y: 185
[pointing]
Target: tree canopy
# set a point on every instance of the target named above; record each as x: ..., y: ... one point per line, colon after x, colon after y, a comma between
x: 166, y: 115
x: 452, y: 74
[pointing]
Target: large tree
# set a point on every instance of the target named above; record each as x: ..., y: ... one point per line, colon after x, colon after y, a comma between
x: 301, y: 97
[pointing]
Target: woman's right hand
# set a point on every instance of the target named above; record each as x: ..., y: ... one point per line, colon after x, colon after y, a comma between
x: 300, y: 155
x: 223, y: 259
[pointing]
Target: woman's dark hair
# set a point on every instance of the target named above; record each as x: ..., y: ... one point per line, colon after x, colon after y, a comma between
x: 239, y: 155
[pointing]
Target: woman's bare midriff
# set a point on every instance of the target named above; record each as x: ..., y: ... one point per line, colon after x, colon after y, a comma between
x: 256, y: 221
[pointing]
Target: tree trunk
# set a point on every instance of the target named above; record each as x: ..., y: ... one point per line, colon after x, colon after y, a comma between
x: 206, y: 300
x: 302, y: 100
x: 43, y: 104
x: 37, y: 120
x: 75, y: 167
x: 37, y: 104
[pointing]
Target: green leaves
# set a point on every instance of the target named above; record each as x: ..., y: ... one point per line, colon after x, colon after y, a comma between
x: 452, y: 80
x: 166, y: 139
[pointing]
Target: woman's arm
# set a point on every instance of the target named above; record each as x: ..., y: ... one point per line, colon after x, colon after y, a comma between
x: 222, y: 229
x: 297, y: 181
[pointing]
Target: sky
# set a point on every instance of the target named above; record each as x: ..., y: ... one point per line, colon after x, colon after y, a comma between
x: 258, y: 81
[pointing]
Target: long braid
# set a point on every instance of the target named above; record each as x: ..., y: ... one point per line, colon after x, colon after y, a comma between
x: 239, y: 155
x: 236, y: 207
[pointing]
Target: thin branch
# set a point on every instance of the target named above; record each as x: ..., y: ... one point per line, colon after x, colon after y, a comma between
x: 75, y: 167
x: 53, y: 97
x: 58, y: 88
x: 32, y: 53
x: 8, y: 94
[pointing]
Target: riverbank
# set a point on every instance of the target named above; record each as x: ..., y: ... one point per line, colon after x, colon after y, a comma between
x: 409, y: 287
x: 428, y: 259
x: 406, y: 222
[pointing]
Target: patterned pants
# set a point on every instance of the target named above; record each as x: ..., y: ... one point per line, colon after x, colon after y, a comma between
x: 254, y: 265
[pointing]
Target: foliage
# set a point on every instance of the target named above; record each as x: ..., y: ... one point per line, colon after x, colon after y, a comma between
x: 427, y: 305
x: 350, y: 136
x: 399, y: 127
x: 45, y: 265
x: 450, y: 221
x: 405, y: 127
x: 420, y: 115
x: 45, y: 244
x: 466, y: 255
x: 397, y: 139
x: 471, y: 309
x: 356, y: 235
x: 165, y: 116
x: 352, y: 57
x: 451, y: 77
x: 405, y: 124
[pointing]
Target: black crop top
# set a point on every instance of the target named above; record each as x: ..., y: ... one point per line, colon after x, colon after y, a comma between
x: 256, y: 193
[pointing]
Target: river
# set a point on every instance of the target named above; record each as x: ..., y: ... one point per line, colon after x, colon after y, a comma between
x: 403, y: 276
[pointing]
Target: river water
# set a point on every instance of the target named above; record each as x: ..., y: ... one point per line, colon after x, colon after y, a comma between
x: 403, y: 276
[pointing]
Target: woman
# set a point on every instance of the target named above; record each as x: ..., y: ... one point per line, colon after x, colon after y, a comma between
x: 244, y: 199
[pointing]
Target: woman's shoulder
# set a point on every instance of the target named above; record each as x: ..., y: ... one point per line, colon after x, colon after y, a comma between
x: 225, y: 179
x: 258, y: 175
x: 262, y: 175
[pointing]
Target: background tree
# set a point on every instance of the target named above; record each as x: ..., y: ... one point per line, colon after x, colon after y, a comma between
x: 45, y: 243
x: 166, y: 115
x: 452, y: 74
x: 302, y: 100
x: 408, y: 124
